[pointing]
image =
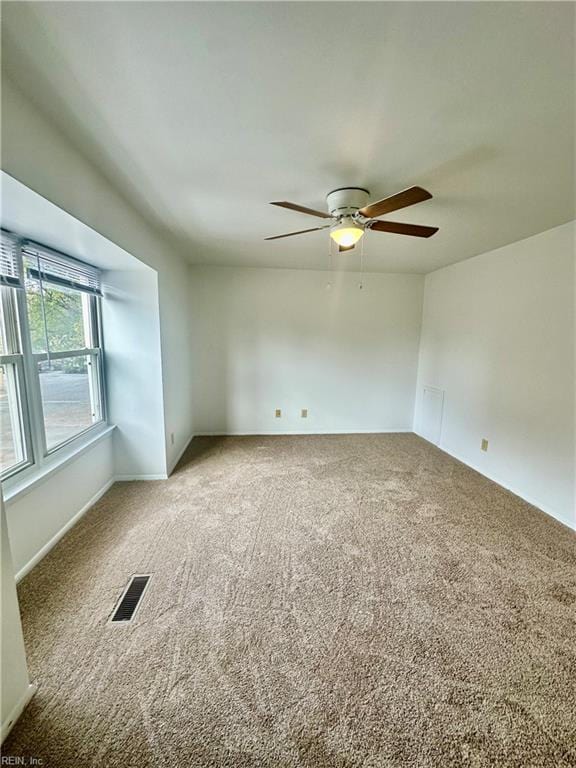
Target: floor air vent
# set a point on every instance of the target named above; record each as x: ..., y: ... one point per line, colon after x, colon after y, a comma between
x: 131, y: 599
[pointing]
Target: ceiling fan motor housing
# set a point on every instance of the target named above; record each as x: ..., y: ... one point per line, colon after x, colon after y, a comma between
x: 346, y: 200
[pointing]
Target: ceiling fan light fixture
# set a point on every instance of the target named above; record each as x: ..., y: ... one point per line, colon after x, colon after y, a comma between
x: 351, y: 215
x: 347, y: 232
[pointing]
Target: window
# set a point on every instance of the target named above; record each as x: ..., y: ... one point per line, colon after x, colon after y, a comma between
x: 51, y: 375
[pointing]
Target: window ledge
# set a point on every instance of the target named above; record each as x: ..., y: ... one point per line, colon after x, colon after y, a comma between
x: 15, y: 487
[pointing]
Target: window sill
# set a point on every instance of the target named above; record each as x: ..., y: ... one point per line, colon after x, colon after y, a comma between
x: 18, y: 486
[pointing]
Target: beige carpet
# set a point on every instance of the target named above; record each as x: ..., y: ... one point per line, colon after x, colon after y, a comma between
x: 327, y: 601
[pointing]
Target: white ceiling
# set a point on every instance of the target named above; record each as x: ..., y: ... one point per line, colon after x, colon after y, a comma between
x: 201, y: 113
x: 25, y: 211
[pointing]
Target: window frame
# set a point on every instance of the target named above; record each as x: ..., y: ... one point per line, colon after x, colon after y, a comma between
x: 14, y: 355
x: 23, y: 435
x: 39, y: 455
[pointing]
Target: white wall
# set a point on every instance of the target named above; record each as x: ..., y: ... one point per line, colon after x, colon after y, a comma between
x: 133, y: 372
x: 266, y: 339
x: 498, y: 338
x: 16, y: 689
x: 39, y: 516
x: 35, y: 152
x: 177, y: 362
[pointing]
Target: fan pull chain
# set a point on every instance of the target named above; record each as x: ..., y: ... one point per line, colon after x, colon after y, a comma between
x: 361, y: 284
x: 331, y: 258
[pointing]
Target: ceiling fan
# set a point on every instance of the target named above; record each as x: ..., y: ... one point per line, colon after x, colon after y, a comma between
x: 352, y: 215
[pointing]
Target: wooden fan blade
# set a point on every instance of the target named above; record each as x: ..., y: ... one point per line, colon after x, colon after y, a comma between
x: 301, y: 232
x: 395, y: 202
x: 399, y: 228
x: 346, y: 248
x: 302, y: 209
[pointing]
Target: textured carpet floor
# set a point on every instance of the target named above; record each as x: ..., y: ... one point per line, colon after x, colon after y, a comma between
x: 325, y: 601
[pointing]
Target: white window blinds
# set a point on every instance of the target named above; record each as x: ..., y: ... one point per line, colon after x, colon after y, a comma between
x: 52, y: 267
x: 10, y: 271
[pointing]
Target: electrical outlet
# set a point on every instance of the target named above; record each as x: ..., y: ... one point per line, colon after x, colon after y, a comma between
x: 172, y: 437
x: 304, y: 413
x: 278, y: 413
x: 484, y: 444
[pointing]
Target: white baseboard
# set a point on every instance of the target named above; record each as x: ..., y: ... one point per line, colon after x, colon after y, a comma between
x: 21, y: 705
x: 175, y: 461
x: 75, y: 518
x: 525, y: 497
x: 279, y: 433
x: 65, y: 528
